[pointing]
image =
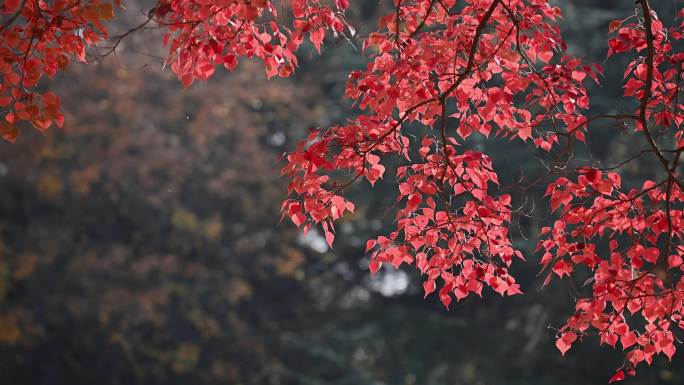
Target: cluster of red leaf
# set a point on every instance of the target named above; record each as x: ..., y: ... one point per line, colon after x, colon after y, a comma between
x: 39, y: 38
x: 50, y: 34
x: 205, y: 33
x: 638, y: 276
x: 471, y: 63
x: 439, y: 72
x: 475, y: 63
x: 450, y: 222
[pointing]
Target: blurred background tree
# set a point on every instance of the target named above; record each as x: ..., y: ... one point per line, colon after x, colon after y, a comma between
x: 141, y: 244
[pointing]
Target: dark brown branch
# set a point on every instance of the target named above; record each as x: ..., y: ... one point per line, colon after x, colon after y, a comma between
x: 645, y: 99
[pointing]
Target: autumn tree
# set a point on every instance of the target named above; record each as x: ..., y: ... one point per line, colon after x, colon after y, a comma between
x: 439, y: 72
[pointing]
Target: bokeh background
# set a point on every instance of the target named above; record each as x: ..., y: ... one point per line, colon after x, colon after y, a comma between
x: 141, y: 244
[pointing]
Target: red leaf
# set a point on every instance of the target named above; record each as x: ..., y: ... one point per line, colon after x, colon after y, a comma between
x: 429, y: 287
x: 329, y: 237
x: 618, y: 376
x: 564, y: 343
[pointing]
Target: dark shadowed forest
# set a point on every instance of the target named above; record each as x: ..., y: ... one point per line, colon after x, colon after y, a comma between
x: 143, y: 242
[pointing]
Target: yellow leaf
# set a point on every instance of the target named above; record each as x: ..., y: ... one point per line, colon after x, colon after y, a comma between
x: 9, y: 330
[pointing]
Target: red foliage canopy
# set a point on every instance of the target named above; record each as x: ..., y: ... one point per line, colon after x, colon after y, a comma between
x: 492, y: 67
